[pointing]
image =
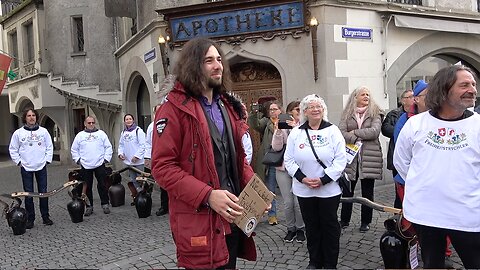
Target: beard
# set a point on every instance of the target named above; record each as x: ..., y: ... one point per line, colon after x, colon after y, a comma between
x: 214, y: 83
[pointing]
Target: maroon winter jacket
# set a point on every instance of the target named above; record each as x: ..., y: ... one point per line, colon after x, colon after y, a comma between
x: 183, y: 164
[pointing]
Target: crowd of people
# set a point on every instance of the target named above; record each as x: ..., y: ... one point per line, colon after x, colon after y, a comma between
x: 199, y: 150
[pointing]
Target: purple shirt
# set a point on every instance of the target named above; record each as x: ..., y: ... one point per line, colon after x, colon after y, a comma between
x: 214, y: 112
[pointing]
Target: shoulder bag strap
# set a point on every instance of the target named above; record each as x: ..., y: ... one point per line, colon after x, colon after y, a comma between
x: 313, y: 150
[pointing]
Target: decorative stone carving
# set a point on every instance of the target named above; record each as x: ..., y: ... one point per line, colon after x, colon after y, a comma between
x: 244, y: 72
x: 34, y: 91
x: 13, y: 96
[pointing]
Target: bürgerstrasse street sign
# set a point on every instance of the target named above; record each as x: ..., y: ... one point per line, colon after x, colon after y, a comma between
x: 238, y: 22
x: 358, y: 33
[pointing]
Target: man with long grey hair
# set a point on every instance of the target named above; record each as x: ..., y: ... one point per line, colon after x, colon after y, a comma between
x: 438, y: 155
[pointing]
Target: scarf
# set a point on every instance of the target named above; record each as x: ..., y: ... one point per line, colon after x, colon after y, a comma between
x: 131, y: 128
x: 31, y: 128
x: 360, y: 115
x: 91, y: 130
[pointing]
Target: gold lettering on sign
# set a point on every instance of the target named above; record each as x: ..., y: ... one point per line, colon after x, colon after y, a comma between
x: 196, y: 25
x: 182, y: 28
x: 211, y: 25
x: 276, y: 17
x: 291, y: 15
x: 258, y: 19
x: 225, y: 23
x: 240, y: 22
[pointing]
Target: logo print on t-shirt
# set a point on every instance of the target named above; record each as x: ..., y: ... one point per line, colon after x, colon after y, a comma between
x: 446, y: 139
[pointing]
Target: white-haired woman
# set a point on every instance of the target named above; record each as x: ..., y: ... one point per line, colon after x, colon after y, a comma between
x: 316, y: 188
x: 361, y: 120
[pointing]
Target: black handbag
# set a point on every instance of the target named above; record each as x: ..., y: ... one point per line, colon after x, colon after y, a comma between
x: 274, y: 158
x: 343, y: 181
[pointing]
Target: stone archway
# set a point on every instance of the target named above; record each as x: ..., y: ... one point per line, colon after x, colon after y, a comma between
x: 138, y: 100
x: 461, y: 46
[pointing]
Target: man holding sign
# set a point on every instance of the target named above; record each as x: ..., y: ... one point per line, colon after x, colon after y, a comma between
x: 198, y: 158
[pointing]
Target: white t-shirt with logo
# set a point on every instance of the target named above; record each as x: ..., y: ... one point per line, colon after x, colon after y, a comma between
x: 440, y: 162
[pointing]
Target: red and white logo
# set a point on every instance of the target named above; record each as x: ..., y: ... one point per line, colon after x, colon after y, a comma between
x: 442, y: 131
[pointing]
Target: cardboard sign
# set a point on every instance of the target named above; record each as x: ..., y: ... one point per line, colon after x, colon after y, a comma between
x: 254, y: 199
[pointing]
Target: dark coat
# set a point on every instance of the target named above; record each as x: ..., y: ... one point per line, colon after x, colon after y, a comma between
x: 388, y: 126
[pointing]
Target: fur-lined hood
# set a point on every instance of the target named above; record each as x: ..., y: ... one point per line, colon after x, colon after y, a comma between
x: 168, y: 85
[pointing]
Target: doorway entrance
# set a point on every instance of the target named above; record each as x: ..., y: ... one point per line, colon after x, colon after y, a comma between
x: 254, y: 81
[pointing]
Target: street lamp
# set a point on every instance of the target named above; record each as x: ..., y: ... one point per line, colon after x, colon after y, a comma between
x: 162, y: 41
x: 313, y: 26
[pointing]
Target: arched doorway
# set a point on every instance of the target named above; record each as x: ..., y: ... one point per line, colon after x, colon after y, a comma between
x: 143, y: 106
x: 254, y: 81
x: 426, y: 69
x: 437, y: 49
x: 138, y: 101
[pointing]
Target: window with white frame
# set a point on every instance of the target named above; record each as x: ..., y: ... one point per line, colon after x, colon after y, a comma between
x: 78, y: 35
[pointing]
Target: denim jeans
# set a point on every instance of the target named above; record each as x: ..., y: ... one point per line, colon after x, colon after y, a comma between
x: 271, y: 182
x: 133, y: 176
x: 27, y: 179
x: 293, y: 216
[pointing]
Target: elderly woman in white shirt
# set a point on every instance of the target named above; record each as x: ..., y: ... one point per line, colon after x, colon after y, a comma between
x: 316, y: 188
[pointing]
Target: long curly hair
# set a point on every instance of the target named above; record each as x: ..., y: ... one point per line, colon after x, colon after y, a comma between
x: 373, y: 109
x: 189, y: 67
x: 440, y: 85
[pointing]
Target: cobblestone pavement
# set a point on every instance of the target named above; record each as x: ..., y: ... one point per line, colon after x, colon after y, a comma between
x: 121, y: 240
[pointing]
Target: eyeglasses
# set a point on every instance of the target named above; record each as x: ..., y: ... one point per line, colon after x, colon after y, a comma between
x: 274, y: 109
x: 408, y: 97
x: 90, y: 123
x: 314, y: 107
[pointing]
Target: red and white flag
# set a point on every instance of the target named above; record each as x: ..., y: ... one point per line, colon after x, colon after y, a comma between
x: 5, y: 61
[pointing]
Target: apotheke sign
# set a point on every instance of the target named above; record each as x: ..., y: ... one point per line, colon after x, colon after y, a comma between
x: 239, y: 22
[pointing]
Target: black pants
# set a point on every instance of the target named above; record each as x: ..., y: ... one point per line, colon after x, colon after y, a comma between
x: 322, y: 230
x: 100, y: 173
x: 233, y: 245
x: 398, y: 202
x: 433, y: 241
x: 163, y: 199
x: 163, y: 194
x: 367, y: 192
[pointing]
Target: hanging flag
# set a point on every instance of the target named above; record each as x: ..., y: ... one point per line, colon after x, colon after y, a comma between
x: 12, y: 75
x: 5, y: 61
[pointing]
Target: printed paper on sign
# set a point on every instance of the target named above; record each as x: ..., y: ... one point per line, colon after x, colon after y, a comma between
x: 352, y: 150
